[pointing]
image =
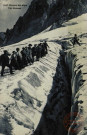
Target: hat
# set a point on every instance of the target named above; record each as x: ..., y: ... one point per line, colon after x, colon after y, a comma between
x: 13, y: 52
x: 5, y: 51
x: 17, y: 49
x: 30, y: 45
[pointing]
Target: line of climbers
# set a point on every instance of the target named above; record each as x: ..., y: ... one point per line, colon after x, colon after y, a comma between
x: 20, y: 59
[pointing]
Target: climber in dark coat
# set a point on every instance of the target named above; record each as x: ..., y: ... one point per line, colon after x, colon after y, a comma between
x: 34, y: 51
x: 75, y: 40
x: 38, y: 53
x: 19, y: 58
x: 14, y: 60
x: 24, y: 58
x: 5, y: 62
x: 42, y: 50
x: 30, y: 54
x: 45, y: 47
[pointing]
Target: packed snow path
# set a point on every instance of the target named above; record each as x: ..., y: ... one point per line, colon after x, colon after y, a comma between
x: 24, y: 94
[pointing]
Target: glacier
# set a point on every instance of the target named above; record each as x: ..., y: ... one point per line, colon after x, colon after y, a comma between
x: 24, y: 95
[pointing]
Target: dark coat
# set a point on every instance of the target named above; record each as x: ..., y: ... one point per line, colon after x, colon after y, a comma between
x: 34, y: 50
x: 4, y: 59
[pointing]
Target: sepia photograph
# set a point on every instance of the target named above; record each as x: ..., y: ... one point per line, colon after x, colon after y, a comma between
x: 43, y: 67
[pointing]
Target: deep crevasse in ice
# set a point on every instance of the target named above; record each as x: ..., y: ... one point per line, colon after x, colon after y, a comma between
x: 76, y: 61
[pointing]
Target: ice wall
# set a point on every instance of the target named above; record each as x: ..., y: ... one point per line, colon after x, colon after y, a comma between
x: 76, y: 61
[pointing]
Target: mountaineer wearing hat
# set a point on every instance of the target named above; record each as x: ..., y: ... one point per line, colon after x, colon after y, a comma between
x: 14, y: 60
x: 30, y: 53
x: 24, y: 57
x: 34, y: 51
x: 38, y: 54
x: 45, y: 47
x: 76, y: 40
x: 5, y: 62
x: 19, y: 58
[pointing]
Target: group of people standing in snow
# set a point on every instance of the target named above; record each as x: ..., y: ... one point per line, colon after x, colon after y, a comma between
x: 21, y: 58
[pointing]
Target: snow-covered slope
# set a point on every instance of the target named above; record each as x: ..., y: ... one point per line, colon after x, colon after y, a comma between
x: 23, y: 96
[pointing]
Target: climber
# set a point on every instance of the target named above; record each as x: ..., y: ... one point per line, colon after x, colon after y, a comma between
x: 45, y: 47
x: 30, y: 53
x: 75, y: 40
x: 14, y: 60
x: 5, y: 62
x: 19, y: 58
x: 24, y: 57
x: 34, y: 50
